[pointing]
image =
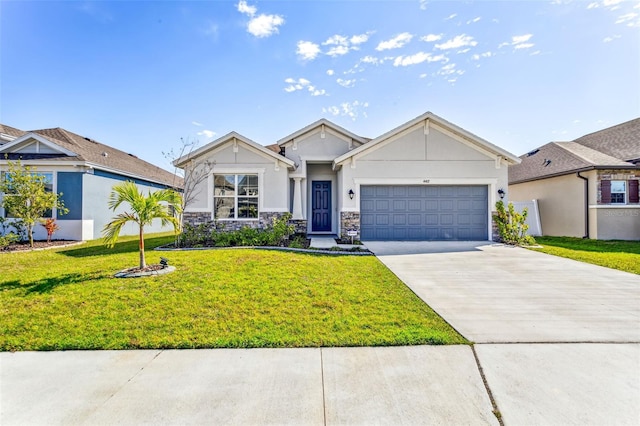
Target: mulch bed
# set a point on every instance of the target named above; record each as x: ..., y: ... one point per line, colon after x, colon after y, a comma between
x: 24, y: 246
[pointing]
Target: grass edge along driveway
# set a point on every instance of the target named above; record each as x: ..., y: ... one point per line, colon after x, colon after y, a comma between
x: 68, y: 299
x: 621, y: 255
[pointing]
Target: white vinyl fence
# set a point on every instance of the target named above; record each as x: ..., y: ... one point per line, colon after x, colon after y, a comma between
x: 533, y: 215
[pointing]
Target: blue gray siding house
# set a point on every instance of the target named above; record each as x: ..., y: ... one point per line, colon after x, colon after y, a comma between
x: 84, y: 171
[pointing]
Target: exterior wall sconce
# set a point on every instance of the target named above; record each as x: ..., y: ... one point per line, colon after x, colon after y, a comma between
x: 351, y: 194
x: 501, y: 193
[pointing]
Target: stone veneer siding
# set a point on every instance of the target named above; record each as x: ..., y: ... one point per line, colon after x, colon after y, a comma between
x: 264, y: 220
x: 349, y: 221
x: 495, y: 234
x: 614, y: 175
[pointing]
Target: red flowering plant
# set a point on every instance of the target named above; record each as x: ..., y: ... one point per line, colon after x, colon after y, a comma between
x: 51, y: 226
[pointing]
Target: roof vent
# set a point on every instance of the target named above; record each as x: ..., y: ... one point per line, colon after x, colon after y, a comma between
x: 282, y: 151
x: 534, y: 152
x: 104, y: 154
x: 546, y: 162
x: 131, y: 155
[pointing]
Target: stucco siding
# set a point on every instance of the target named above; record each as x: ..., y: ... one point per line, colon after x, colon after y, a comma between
x: 561, y: 203
x: 617, y: 223
x: 313, y: 145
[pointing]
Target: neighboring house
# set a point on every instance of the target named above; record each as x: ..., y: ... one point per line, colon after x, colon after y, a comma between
x: 427, y: 179
x: 84, y: 171
x: 587, y: 187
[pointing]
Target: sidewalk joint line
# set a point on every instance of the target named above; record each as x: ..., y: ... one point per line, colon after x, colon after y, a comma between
x: 324, y: 405
x: 494, y: 405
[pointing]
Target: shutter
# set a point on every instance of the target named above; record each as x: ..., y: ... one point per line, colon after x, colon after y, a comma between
x: 605, y: 188
x: 634, y: 197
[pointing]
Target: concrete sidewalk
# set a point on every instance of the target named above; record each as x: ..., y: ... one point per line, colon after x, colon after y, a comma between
x: 328, y: 386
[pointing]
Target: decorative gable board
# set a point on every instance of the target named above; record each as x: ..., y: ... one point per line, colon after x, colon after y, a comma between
x: 35, y: 147
x: 313, y: 144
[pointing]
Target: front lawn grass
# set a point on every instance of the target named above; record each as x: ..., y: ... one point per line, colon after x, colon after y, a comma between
x: 622, y: 255
x: 68, y: 299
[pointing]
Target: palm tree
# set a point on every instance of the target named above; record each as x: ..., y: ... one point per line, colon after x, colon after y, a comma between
x: 144, y: 210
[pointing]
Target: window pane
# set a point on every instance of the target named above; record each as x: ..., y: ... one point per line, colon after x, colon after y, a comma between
x: 247, y: 207
x: 617, y: 198
x: 248, y: 185
x: 224, y: 185
x: 618, y: 186
x: 224, y: 208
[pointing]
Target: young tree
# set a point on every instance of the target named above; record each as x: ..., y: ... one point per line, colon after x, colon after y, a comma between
x: 156, y: 205
x: 194, y: 172
x: 26, y: 197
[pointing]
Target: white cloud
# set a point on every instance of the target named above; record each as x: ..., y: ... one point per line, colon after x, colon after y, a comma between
x: 423, y: 4
x: 457, y: 42
x: 330, y: 72
x: 243, y: 7
x: 307, y: 50
x: 474, y: 20
x: 207, y: 133
x: 423, y: 75
x: 518, y: 42
x: 611, y: 38
x: 370, y: 60
x: 360, y: 38
x: 348, y: 109
x: 336, y: 39
x: 482, y: 55
x: 453, y: 15
x: 537, y: 52
x: 262, y: 25
x: 521, y: 39
x: 450, y: 70
x: 303, y: 84
x: 418, y: 58
x: 346, y: 83
x: 630, y: 19
x: 338, y: 51
x: 431, y: 37
x: 195, y: 123
x: 395, y: 43
x: 265, y: 25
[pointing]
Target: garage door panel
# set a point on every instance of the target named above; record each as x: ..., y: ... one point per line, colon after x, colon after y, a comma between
x: 414, y: 212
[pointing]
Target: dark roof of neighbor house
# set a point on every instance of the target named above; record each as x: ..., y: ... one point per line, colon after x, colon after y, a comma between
x: 621, y: 141
x: 100, y: 154
x: 615, y: 147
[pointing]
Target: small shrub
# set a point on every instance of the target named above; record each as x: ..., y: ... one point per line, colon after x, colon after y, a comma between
x: 298, y: 241
x: 51, y: 226
x: 6, y: 240
x: 511, y: 225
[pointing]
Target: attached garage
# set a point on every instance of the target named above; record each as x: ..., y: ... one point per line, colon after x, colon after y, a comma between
x: 424, y: 212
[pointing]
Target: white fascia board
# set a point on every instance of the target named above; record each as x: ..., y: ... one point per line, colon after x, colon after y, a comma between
x: 228, y: 138
x: 328, y: 124
x: 432, y: 118
x: 8, y: 147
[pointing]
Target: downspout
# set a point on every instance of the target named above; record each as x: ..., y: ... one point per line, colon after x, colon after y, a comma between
x: 586, y: 204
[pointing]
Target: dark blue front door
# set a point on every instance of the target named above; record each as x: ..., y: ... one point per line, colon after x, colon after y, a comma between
x: 321, y: 206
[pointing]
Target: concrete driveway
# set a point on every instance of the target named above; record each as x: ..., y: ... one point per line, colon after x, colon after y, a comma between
x: 523, y: 309
x: 493, y: 293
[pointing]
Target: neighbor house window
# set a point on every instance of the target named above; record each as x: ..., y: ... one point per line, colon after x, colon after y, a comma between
x: 48, y: 187
x: 618, y: 191
x: 235, y: 196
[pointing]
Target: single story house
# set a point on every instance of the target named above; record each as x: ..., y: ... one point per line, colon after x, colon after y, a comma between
x: 84, y: 171
x: 587, y: 187
x: 427, y: 179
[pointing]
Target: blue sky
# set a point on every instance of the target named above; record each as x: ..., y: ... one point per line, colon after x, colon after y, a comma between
x: 140, y: 75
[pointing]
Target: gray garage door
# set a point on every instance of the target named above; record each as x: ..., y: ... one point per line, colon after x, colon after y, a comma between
x: 423, y: 213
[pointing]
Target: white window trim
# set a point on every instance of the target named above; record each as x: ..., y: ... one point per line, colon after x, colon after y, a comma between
x: 54, y: 183
x: 626, y: 192
x: 235, y: 172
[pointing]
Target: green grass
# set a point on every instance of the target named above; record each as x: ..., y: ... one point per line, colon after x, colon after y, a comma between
x: 622, y: 255
x: 68, y: 299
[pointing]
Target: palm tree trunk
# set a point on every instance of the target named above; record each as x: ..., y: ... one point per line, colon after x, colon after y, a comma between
x: 143, y: 264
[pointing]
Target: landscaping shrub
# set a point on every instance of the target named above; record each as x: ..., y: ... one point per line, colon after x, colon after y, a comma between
x: 511, y: 225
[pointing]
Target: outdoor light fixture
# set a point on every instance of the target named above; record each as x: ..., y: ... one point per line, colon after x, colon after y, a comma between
x: 501, y: 193
x: 351, y: 194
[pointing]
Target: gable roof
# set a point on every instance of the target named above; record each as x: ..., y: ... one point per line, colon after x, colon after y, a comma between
x: 74, y: 147
x: 262, y: 150
x: 615, y: 147
x: 458, y: 131
x: 8, y: 133
x: 621, y: 141
x: 316, y: 124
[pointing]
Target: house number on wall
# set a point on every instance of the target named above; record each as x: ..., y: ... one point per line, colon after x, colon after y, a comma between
x: 425, y: 181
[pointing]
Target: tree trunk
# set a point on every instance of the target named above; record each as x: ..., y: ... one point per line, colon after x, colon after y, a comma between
x: 143, y: 264
x: 30, y: 230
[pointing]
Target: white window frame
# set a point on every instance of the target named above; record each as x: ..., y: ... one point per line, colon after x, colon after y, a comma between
x: 236, y: 195
x: 54, y: 189
x: 624, y: 193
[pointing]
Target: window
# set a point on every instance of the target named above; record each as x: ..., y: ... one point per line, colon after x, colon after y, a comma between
x: 618, y: 191
x: 48, y: 187
x: 235, y: 196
